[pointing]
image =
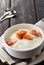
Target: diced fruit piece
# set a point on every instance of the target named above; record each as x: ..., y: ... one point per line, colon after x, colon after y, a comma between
x: 23, y: 32
x: 20, y: 34
x: 36, y: 33
x: 10, y: 42
x: 28, y: 37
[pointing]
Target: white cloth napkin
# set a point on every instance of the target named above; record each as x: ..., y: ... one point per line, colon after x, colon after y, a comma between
x: 40, y: 24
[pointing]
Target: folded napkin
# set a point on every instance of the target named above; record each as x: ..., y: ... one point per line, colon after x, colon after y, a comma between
x: 40, y: 24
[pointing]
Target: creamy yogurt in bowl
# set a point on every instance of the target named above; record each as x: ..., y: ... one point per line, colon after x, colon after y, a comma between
x: 23, y: 40
x: 25, y: 44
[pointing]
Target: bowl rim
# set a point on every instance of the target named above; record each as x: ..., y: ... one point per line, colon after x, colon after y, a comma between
x: 27, y: 49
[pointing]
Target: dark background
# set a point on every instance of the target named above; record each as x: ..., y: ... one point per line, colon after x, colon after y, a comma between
x: 30, y: 11
x: 41, y: 63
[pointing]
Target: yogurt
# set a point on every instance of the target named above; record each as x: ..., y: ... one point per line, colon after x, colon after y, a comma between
x: 24, y: 44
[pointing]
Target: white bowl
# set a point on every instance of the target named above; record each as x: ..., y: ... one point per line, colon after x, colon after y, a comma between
x: 18, y: 53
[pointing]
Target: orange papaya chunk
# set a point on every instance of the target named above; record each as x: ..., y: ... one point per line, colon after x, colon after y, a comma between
x: 20, y: 34
x: 36, y: 33
x: 28, y: 37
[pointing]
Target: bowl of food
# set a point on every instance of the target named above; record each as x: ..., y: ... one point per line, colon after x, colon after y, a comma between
x: 23, y: 40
